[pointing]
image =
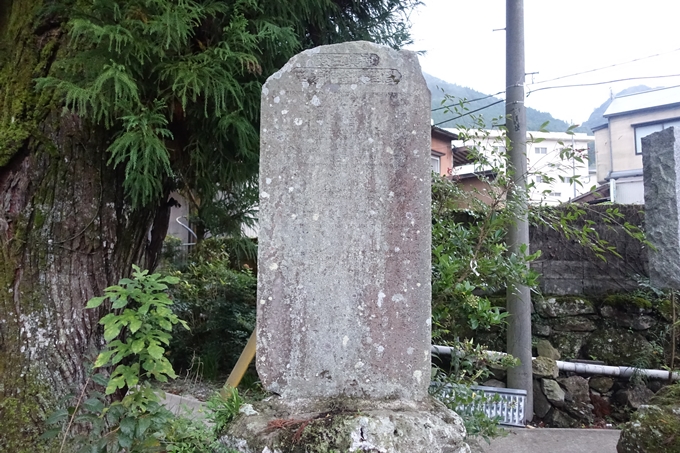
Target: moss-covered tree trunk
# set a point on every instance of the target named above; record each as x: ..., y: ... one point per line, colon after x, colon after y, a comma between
x: 66, y: 231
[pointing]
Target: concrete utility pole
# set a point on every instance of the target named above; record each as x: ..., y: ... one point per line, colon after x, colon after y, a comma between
x: 518, y: 296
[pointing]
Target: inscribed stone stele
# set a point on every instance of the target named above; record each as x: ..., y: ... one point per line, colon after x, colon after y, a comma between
x: 344, y: 240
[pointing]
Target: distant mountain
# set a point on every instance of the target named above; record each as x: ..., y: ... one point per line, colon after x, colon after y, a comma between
x: 477, y: 100
x: 596, y: 118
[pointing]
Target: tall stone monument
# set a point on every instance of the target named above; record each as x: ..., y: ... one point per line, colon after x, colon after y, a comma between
x: 661, y: 170
x: 343, y: 319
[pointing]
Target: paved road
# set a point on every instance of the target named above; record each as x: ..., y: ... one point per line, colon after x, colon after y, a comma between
x: 552, y: 440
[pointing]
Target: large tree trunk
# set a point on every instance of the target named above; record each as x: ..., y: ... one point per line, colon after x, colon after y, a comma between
x: 66, y: 232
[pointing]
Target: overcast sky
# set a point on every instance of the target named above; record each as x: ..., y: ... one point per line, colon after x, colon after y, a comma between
x: 561, y: 38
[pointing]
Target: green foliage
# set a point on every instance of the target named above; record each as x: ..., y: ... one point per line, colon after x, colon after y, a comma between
x: 472, y: 262
x: 185, y: 435
x: 137, y: 330
x: 141, y: 68
x: 630, y: 300
x: 224, y: 408
x: 143, y: 310
x: 470, y: 258
x: 454, y: 381
x: 219, y: 306
x: 189, y: 436
x: 175, y: 86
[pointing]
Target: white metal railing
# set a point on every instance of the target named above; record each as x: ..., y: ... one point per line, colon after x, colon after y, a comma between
x: 509, y: 405
x: 506, y: 404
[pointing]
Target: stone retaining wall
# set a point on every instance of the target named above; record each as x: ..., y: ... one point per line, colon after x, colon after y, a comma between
x: 568, y: 268
x: 616, y: 330
x: 620, y: 330
x: 571, y: 400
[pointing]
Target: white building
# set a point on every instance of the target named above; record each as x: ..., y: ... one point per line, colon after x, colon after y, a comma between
x: 555, y: 178
x: 617, y: 140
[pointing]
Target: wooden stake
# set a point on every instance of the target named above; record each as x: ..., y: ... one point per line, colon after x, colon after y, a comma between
x: 243, y: 363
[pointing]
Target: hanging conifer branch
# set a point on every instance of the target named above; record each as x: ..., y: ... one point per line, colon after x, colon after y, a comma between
x: 177, y: 83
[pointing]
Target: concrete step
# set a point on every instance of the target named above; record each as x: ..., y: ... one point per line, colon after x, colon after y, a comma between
x: 553, y: 440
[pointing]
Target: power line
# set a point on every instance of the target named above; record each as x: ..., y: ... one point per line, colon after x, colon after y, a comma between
x: 470, y: 112
x: 471, y: 100
x: 602, y: 83
x: 605, y: 67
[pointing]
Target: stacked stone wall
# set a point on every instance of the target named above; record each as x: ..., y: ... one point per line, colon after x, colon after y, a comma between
x: 616, y: 330
x: 569, y: 268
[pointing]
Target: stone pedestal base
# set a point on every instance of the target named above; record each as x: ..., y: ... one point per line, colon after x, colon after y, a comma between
x: 346, y: 425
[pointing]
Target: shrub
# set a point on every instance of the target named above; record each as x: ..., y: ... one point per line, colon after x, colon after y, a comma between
x: 218, y: 304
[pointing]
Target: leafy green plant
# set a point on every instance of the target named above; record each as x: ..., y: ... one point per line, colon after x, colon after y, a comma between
x: 218, y: 303
x: 185, y: 435
x: 470, y: 259
x: 468, y: 365
x: 143, y: 309
x: 137, y: 332
x: 224, y: 408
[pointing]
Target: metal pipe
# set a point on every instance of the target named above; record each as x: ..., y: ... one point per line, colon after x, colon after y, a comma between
x: 578, y: 367
x: 188, y: 229
x: 621, y: 371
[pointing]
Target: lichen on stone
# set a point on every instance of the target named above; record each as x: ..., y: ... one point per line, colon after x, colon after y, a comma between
x: 654, y: 428
x: 626, y: 300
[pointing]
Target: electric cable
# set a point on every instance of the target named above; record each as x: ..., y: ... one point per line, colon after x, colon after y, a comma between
x: 470, y: 112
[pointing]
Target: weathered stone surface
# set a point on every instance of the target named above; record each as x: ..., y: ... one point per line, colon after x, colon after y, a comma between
x: 635, y: 320
x: 545, y: 349
x: 346, y: 425
x: 577, y: 399
x: 633, y: 397
x: 558, y: 419
x: 562, y: 286
x: 343, y: 328
x: 582, y: 412
x: 544, y: 367
x: 494, y: 383
x: 642, y: 322
x: 655, y: 385
x: 542, y: 330
x: 564, y: 269
x: 541, y: 404
x: 344, y: 240
x: 661, y: 169
x: 616, y: 347
x: 577, y: 389
x: 499, y: 373
x: 563, y: 306
x: 553, y: 392
x: 573, y: 324
x: 654, y: 428
x: 601, y: 405
x: 601, y: 384
x: 569, y: 343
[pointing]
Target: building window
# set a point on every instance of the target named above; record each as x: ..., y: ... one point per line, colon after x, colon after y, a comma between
x: 435, y: 162
x: 555, y: 194
x: 644, y: 130
x: 538, y: 179
x: 540, y: 150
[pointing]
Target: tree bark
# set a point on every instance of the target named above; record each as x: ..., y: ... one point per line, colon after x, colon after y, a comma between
x: 66, y: 232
